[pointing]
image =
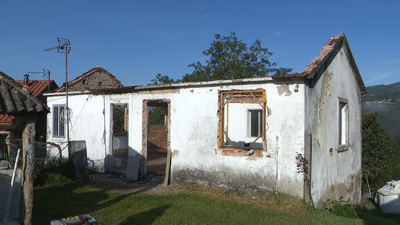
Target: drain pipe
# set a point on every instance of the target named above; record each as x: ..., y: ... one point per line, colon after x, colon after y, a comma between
x: 277, y: 162
x: 11, y: 189
x: 106, y: 159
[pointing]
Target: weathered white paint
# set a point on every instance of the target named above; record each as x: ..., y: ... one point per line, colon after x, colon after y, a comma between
x: 297, y: 108
x: 339, y: 175
x: 194, y: 132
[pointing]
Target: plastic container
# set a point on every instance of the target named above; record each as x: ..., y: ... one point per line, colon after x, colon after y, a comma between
x: 389, y: 203
x: 389, y: 197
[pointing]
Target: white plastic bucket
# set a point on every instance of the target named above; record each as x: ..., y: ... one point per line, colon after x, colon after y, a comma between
x: 389, y: 203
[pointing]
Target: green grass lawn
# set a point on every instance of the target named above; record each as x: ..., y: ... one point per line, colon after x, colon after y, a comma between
x: 189, y: 205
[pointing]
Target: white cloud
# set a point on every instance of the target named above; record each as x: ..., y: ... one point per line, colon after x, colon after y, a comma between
x: 205, y: 16
x: 383, y: 78
x: 278, y: 33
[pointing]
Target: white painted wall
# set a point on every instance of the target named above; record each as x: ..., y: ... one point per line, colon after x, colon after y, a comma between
x: 90, y: 122
x: 194, y: 134
x: 194, y: 142
x: 339, y: 175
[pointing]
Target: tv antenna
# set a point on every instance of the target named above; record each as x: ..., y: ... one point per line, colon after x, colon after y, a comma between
x: 46, y: 73
x: 64, y: 47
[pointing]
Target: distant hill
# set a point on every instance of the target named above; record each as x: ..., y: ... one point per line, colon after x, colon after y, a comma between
x: 383, y: 92
x: 383, y: 99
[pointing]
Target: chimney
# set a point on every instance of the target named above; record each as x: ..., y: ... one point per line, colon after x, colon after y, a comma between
x: 26, y: 79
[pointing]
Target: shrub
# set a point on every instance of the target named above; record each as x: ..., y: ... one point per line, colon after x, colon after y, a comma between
x: 341, y: 208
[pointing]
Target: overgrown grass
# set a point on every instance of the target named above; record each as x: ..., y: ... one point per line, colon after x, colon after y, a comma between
x: 189, y: 205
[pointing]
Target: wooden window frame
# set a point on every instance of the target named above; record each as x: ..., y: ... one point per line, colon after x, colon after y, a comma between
x: 224, y: 97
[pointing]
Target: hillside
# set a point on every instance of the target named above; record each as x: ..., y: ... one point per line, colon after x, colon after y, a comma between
x: 382, y: 99
x: 383, y: 92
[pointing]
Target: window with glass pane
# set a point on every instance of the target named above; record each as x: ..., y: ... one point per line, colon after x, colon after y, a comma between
x: 58, y: 125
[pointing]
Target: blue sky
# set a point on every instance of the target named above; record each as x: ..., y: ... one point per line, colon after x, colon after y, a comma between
x: 135, y: 40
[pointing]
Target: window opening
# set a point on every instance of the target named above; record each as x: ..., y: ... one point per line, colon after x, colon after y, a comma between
x: 343, y: 122
x: 256, y: 119
x: 58, y: 124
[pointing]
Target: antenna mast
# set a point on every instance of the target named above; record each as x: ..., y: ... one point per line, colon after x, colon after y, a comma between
x: 46, y: 73
x: 64, y: 47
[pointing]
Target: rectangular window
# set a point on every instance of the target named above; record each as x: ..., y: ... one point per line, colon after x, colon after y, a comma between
x: 242, y: 118
x: 343, y: 124
x: 254, y: 123
x: 58, y: 125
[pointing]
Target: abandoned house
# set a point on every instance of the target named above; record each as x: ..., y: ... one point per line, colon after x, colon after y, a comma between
x: 239, y: 134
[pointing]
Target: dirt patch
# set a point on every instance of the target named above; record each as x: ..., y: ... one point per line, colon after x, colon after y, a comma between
x: 269, y: 200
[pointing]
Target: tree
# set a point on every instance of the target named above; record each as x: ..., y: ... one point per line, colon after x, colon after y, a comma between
x: 379, y: 154
x: 230, y: 58
x: 156, y: 116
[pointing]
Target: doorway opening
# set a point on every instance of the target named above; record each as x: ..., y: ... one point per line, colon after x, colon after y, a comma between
x: 119, y: 137
x: 156, y: 135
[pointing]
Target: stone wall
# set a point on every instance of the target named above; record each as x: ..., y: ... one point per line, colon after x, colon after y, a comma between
x: 97, y: 80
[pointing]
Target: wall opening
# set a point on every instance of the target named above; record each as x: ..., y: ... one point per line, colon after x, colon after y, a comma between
x: 343, y: 124
x: 120, y: 137
x: 242, y: 121
x: 156, y: 135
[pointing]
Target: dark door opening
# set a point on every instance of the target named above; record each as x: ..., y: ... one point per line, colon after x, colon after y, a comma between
x: 157, y: 138
x: 120, y: 137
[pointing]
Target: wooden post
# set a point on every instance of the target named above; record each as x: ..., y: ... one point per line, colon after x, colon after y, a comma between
x: 167, y: 169
x: 28, y: 139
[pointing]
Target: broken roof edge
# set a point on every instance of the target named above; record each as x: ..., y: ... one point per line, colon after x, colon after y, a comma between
x: 63, y: 93
x: 325, y: 53
x: 206, y: 83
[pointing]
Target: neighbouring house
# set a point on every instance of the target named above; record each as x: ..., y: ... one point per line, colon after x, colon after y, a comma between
x: 13, y: 126
x: 18, y: 101
x: 96, y: 78
x: 239, y: 134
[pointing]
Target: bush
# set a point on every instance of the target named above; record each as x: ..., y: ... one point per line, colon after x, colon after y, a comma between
x: 54, y: 173
x: 341, y: 208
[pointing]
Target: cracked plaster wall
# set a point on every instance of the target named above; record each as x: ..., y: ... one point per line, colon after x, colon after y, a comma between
x: 196, y: 157
x: 194, y: 134
x: 339, y: 175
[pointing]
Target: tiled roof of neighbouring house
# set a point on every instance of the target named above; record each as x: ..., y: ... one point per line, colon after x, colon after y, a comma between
x: 36, y: 87
x: 17, y: 100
